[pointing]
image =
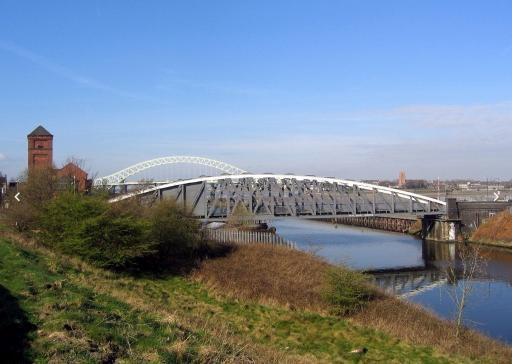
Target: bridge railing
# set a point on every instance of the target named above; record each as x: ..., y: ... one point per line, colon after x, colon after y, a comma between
x: 235, y: 236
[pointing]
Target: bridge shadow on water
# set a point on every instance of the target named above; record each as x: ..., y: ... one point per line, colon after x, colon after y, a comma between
x: 14, y: 329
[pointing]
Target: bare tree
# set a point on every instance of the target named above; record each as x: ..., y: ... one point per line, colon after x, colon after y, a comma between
x: 36, y: 189
x: 462, y: 276
x: 72, y: 175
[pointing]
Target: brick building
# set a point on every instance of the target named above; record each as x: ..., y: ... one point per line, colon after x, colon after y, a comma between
x: 40, y: 155
x: 72, y: 175
x: 40, y: 149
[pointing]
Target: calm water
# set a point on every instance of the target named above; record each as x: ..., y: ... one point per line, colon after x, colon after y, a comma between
x: 414, y: 269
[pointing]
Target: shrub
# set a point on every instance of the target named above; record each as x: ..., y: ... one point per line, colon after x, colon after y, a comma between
x: 23, y: 216
x: 115, y: 240
x: 39, y: 186
x: 36, y: 189
x: 112, y: 236
x: 241, y: 216
x: 173, y: 230
x: 64, y: 216
x: 347, y: 291
x: 124, y: 235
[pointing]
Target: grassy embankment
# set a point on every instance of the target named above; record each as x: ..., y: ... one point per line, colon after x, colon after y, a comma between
x: 257, y: 304
x: 496, y: 231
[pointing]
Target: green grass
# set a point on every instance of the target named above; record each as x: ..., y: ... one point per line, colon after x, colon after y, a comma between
x: 83, y: 314
x: 73, y: 323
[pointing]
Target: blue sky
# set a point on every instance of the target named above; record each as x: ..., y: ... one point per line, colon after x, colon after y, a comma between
x: 354, y: 89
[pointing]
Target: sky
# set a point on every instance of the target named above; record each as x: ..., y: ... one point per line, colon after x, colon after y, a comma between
x: 353, y: 89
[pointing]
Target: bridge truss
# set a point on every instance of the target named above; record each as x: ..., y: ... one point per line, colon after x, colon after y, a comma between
x: 273, y: 195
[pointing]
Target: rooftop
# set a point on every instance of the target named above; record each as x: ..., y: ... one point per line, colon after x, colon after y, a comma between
x: 40, y: 131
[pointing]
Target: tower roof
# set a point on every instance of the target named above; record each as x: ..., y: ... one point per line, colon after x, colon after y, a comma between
x: 40, y: 131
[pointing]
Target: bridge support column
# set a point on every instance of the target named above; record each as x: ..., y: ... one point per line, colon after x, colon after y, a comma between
x: 439, y: 229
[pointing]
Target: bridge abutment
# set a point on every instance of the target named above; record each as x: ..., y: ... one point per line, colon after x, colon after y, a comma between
x: 441, y: 229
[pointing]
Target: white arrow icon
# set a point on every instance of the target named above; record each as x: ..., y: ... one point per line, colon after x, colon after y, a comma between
x: 16, y: 196
x: 496, y: 196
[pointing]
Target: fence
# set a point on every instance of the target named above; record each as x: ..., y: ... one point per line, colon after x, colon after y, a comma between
x: 235, y: 236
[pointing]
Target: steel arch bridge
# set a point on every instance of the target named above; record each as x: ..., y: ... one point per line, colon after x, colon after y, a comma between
x: 118, y: 177
x: 266, y: 196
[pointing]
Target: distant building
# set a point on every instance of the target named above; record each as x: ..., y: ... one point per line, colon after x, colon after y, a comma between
x: 401, y: 179
x: 72, y: 175
x: 463, y: 186
x: 40, y: 155
x: 40, y: 149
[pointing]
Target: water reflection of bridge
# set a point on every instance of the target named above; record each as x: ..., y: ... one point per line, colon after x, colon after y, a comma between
x: 408, y: 281
x: 437, y: 258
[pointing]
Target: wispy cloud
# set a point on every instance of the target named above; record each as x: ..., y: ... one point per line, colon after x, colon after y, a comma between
x: 67, y: 73
x: 2, y: 157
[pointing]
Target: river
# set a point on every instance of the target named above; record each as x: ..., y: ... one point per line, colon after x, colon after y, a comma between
x: 414, y: 270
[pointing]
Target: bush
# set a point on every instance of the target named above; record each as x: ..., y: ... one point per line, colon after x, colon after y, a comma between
x: 36, y: 189
x: 124, y: 235
x: 241, y: 216
x: 115, y: 240
x: 173, y: 230
x: 65, y: 215
x: 347, y: 291
x: 23, y: 216
x: 109, y: 236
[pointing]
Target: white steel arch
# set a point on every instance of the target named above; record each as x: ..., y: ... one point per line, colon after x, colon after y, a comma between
x: 120, y: 176
x: 361, y: 185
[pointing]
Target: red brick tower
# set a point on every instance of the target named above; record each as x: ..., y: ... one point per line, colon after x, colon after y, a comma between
x: 40, y: 148
x: 401, y: 179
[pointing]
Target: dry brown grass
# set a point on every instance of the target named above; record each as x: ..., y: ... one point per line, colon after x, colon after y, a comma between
x: 295, y: 279
x: 415, y: 325
x: 496, y: 229
x: 268, y: 274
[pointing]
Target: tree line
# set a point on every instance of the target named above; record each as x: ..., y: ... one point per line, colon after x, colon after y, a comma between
x: 127, y: 235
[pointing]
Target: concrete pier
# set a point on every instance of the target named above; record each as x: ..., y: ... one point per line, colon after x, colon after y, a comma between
x: 441, y: 229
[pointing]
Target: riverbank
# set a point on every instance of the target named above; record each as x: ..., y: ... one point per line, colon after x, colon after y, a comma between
x: 496, y: 231
x: 294, y: 279
x: 75, y: 312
